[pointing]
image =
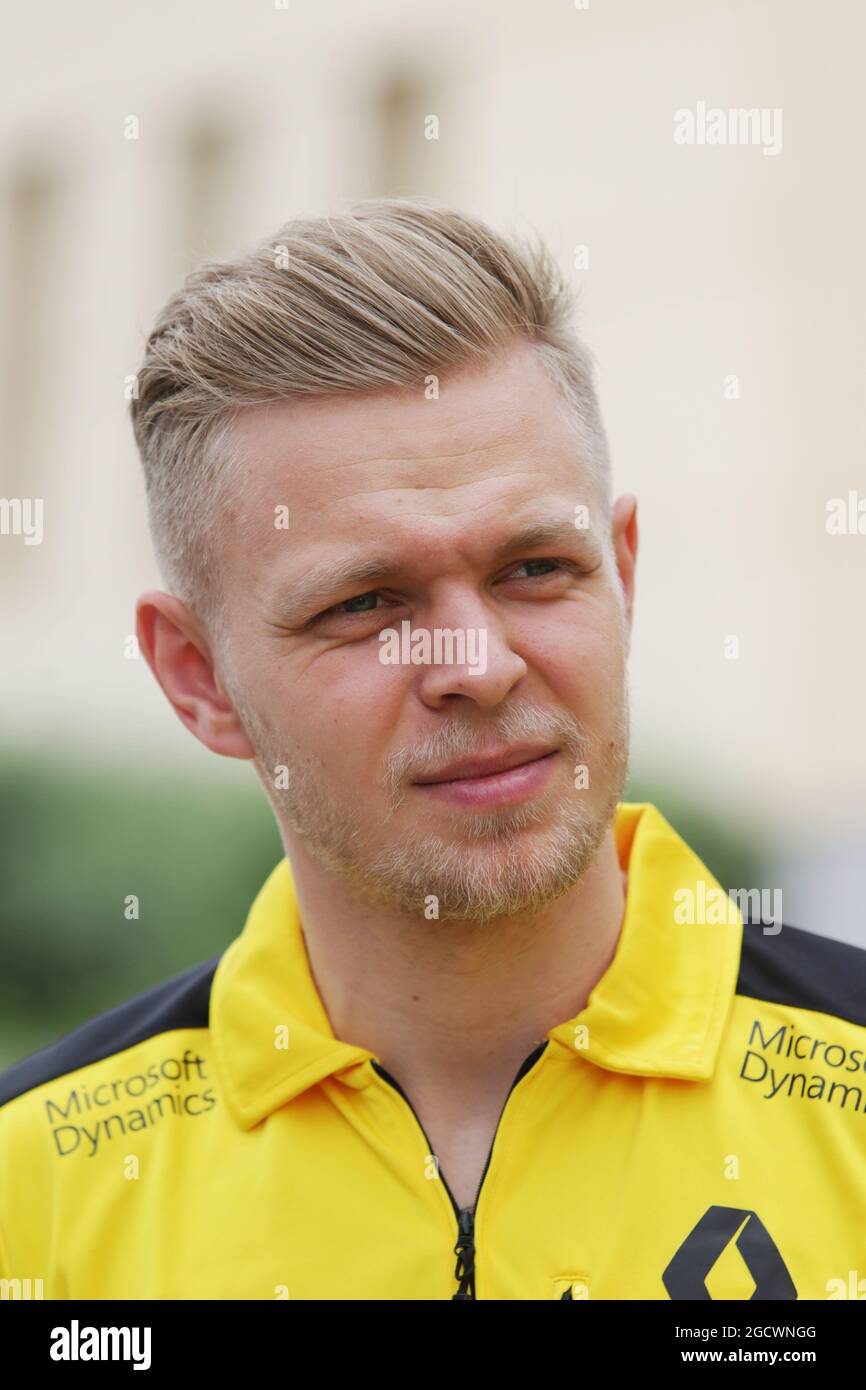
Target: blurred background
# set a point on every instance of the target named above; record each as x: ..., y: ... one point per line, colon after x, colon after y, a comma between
x: 722, y: 290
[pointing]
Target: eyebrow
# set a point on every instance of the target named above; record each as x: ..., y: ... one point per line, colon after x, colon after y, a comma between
x: 330, y: 577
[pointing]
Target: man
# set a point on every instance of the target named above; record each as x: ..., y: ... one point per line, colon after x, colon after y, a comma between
x: 487, y: 1032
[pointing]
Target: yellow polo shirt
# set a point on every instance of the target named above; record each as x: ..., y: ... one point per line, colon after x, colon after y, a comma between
x: 698, y: 1130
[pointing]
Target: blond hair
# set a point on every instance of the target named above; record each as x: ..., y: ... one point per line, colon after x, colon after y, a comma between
x: 384, y: 295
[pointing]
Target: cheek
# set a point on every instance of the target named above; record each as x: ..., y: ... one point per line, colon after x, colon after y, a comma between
x: 344, y: 708
x: 580, y: 655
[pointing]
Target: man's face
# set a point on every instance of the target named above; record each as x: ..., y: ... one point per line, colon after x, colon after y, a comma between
x: 435, y: 492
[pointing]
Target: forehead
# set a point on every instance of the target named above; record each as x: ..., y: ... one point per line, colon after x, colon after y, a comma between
x: 391, y: 466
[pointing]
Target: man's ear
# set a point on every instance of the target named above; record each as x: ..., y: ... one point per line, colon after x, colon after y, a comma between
x: 624, y: 537
x: 179, y: 655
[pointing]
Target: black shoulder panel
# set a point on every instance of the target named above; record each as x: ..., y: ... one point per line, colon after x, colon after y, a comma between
x: 804, y: 969
x: 182, y: 1002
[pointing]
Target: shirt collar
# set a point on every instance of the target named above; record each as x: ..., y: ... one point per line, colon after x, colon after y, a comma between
x: 658, y: 1010
x: 660, y: 1007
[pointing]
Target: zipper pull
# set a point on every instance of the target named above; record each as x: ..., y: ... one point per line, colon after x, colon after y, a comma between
x: 465, y: 1252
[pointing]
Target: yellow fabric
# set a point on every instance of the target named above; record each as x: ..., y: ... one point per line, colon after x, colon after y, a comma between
x: 286, y: 1167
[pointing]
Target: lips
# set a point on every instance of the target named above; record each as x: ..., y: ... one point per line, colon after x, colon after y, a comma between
x: 486, y: 766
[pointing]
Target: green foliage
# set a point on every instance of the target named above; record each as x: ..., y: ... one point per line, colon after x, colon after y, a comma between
x: 74, y: 846
x: 732, y: 852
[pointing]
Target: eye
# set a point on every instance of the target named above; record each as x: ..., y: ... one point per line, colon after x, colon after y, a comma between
x: 344, y: 609
x: 553, y: 565
x: 555, y: 569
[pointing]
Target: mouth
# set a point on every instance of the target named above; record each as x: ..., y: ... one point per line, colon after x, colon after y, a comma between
x: 475, y: 769
x: 503, y: 780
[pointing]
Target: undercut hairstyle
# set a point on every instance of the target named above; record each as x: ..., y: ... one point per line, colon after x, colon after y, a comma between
x: 385, y: 295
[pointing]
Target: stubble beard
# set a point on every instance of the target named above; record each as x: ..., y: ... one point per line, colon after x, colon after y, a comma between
x: 482, y: 866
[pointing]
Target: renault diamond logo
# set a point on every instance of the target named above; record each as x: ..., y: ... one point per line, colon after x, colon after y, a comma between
x: 685, y: 1275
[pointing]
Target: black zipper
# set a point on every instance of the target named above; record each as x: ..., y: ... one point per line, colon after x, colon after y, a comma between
x: 464, y: 1247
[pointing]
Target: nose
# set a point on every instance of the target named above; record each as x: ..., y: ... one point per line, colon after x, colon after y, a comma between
x: 470, y: 658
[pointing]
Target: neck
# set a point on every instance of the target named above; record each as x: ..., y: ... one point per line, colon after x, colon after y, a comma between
x: 455, y: 1006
